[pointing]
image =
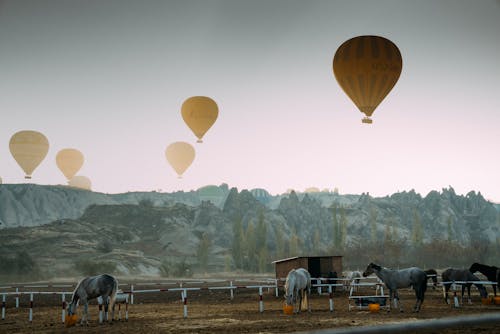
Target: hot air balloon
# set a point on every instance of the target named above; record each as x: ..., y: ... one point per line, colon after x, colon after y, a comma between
x: 28, y: 148
x: 199, y: 113
x: 69, y: 161
x: 367, y: 67
x: 180, y: 155
x: 80, y: 181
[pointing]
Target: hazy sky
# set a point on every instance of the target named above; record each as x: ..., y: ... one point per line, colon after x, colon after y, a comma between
x: 109, y: 78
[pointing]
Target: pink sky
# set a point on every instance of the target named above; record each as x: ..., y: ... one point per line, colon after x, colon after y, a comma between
x: 109, y: 78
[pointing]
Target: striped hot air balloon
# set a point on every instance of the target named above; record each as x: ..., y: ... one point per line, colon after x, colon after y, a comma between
x: 367, y: 68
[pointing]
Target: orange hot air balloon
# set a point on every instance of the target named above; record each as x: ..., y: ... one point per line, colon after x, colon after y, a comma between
x: 199, y: 113
x: 69, y: 161
x: 80, y: 181
x: 28, y: 148
x: 180, y: 155
x: 367, y: 68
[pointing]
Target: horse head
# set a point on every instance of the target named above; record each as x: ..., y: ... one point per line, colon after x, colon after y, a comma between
x: 474, y: 267
x: 290, y: 287
x: 371, y: 268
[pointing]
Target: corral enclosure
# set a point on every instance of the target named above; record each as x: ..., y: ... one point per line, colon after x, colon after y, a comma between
x: 318, y: 266
x: 213, y: 310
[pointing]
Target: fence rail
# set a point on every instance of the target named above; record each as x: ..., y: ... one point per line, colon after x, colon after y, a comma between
x: 419, y: 325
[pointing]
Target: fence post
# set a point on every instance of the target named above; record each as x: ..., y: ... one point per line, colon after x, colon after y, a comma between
x: 17, y: 297
x: 63, y: 297
x: 318, y: 281
x: 277, y: 290
x: 232, y: 290
x: 3, y: 306
x: 261, y: 302
x: 184, y: 302
x: 31, y: 308
x: 330, y: 293
x: 131, y: 294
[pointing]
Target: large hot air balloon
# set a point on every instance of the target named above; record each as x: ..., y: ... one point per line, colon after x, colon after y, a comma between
x: 69, y: 161
x: 180, y: 155
x: 80, y: 181
x: 199, y: 113
x: 28, y: 148
x: 367, y: 67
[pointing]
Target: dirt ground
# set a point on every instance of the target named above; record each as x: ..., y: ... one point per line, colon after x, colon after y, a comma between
x: 212, y: 311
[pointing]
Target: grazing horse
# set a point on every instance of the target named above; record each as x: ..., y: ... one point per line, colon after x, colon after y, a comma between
x: 297, y: 288
x: 491, y: 272
x: 451, y: 275
x: 104, y: 286
x: 354, y: 277
x: 404, y: 278
x: 432, y: 274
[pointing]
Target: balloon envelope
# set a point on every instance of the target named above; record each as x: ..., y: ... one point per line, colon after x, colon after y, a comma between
x: 180, y: 155
x: 367, y: 68
x: 80, y: 181
x: 28, y: 148
x: 69, y: 161
x: 199, y: 113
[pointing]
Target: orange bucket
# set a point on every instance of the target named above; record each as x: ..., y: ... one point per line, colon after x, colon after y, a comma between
x: 486, y: 301
x: 70, y: 320
x: 374, y: 308
x: 496, y: 299
x: 287, y: 309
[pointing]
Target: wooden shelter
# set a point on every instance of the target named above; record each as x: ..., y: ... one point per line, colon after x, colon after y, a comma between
x: 318, y: 266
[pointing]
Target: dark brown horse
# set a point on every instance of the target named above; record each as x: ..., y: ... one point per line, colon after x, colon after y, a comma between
x: 491, y: 272
x: 451, y: 275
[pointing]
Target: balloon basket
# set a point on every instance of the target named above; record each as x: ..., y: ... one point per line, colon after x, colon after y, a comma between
x: 367, y: 120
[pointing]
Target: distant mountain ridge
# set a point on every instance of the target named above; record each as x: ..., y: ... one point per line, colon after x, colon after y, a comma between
x: 139, y: 230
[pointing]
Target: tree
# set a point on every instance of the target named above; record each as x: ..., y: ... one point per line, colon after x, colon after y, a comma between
x: 450, y: 229
x: 417, y: 232
x: 343, y: 229
x: 203, y: 251
x: 373, y: 225
x: 336, y: 237
x: 237, y: 244
x: 280, y: 242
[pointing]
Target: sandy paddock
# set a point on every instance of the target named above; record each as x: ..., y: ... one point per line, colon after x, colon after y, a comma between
x: 212, y: 311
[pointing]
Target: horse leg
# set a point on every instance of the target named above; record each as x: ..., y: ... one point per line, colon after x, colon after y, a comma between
x: 446, y: 288
x: 396, y: 294
x: 85, y: 316
x: 468, y: 294
x: 106, y: 308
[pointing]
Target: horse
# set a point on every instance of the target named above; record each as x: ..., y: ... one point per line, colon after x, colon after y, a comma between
x: 297, y: 289
x: 404, y: 278
x: 353, y: 277
x: 491, y: 272
x: 432, y: 274
x: 450, y: 275
x: 104, y: 286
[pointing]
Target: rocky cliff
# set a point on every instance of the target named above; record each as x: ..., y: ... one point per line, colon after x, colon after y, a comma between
x: 137, y: 231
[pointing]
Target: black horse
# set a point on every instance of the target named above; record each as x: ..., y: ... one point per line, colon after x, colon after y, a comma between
x: 451, y: 275
x: 432, y: 274
x: 491, y: 272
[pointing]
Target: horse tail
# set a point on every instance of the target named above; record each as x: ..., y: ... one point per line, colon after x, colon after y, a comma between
x: 421, y: 287
x: 305, y: 302
x: 112, y: 296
